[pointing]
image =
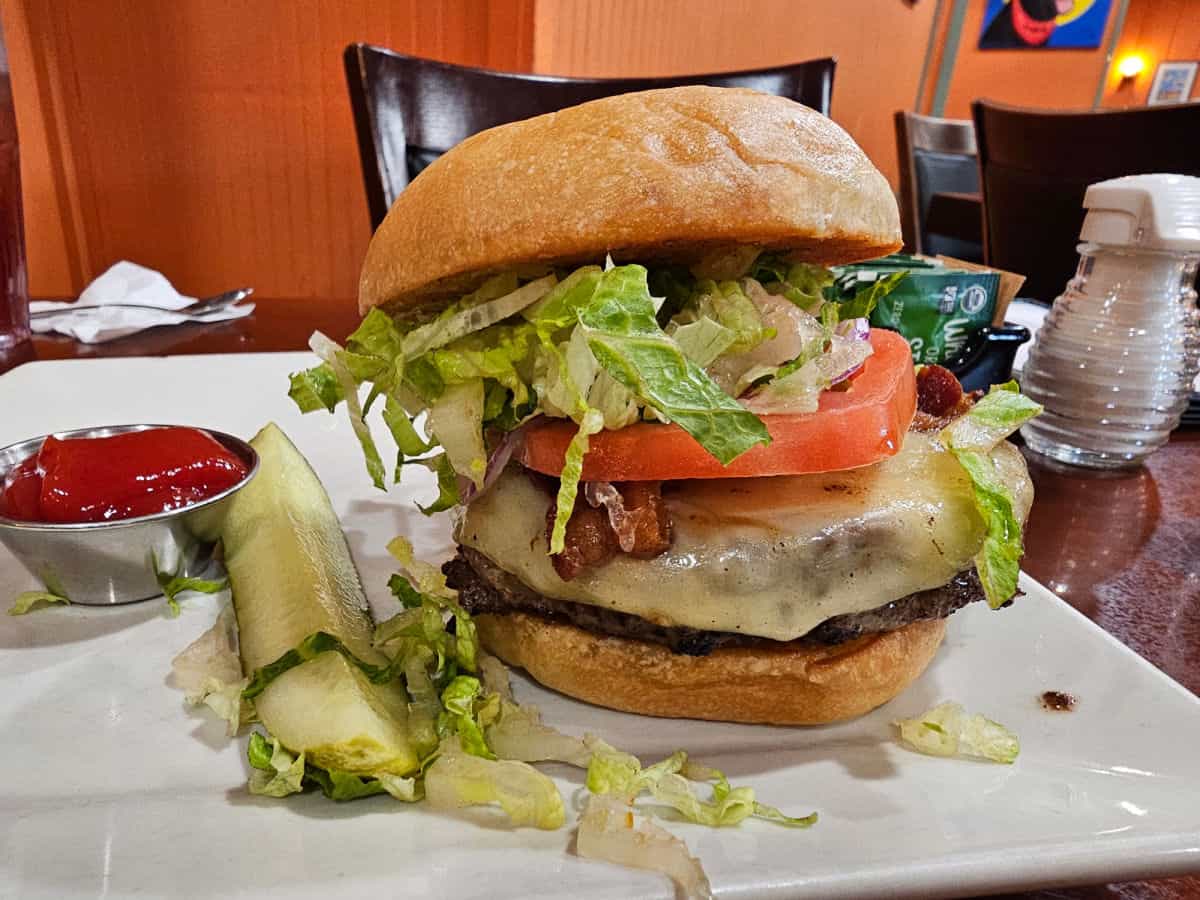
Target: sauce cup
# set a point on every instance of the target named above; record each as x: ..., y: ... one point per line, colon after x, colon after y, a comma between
x: 105, y: 563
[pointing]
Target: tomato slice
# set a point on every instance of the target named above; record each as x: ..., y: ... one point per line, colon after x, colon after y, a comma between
x: 855, y: 427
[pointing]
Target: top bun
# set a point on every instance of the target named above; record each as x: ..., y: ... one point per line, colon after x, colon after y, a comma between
x: 665, y: 175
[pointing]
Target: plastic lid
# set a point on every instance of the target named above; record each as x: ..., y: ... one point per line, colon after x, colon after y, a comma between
x: 1155, y: 212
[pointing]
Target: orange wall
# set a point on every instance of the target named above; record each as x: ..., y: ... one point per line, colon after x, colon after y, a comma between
x: 879, y: 46
x: 213, y: 139
x: 1049, y: 78
x: 1158, y: 30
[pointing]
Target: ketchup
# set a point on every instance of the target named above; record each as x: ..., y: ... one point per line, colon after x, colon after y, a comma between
x: 103, y: 479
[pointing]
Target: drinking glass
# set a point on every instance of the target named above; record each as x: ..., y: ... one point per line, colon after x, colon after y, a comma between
x: 14, y: 285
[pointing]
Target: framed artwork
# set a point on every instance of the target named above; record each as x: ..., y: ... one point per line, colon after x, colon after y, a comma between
x: 1172, y: 82
x: 1043, y: 24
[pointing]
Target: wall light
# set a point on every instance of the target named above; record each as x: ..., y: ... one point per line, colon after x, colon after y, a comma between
x: 1131, y: 65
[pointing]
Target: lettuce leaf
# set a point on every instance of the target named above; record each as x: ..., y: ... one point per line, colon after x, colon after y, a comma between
x: 332, y: 355
x: 801, y: 283
x: 728, y: 304
x: 315, y: 388
x: 568, y: 485
x: 477, y: 311
x: 494, y: 353
x: 865, y: 298
x: 998, y: 414
x: 28, y: 601
x: 623, y: 334
x: 173, y: 585
x: 460, y: 715
x: 614, y: 772
x: 275, y: 771
x: 456, y: 421
x: 404, y: 433
x: 447, y: 482
x: 703, y: 340
x: 209, y: 671
x: 457, y: 779
x: 947, y: 730
x: 971, y: 438
x: 559, y: 308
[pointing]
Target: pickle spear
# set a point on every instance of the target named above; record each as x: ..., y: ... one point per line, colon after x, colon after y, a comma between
x: 292, y: 575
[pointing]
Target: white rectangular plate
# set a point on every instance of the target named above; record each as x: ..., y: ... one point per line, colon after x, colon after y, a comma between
x: 112, y: 788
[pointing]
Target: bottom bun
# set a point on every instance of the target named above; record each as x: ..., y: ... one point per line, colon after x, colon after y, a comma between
x: 784, y: 685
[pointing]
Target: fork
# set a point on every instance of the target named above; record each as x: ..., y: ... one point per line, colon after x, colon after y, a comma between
x: 201, y: 307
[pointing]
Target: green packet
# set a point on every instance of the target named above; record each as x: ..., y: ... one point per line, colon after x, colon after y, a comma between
x: 937, y: 309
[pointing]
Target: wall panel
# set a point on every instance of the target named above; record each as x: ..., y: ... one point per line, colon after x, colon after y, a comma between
x: 1158, y: 30
x: 1060, y: 79
x: 212, y: 139
x: 879, y: 44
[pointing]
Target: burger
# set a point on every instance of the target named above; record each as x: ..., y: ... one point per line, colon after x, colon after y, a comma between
x: 686, y: 480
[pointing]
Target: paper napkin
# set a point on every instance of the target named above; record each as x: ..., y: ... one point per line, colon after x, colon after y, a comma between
x: 92, y: 320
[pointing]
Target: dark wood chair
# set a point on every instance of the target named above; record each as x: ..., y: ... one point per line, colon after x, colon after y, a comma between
x: 939, y: 185
x: 1035, y: 166
x: 409, y: 111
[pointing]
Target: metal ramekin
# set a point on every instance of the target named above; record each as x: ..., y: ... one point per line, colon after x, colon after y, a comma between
x: 102, y: 563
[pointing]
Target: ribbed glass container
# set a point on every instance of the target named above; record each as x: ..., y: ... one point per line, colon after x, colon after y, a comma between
x: 1115, y: 359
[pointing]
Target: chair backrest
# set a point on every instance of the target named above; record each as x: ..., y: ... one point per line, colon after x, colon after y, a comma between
x: 1036, y: 165
x: 409, y: 111
x: 935, y: 155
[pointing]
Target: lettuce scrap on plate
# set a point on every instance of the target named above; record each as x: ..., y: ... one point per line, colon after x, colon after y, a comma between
x: 948, y: 730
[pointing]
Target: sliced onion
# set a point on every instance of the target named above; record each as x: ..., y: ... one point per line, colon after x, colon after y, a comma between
x: 498, y: 459
x: 855, y: 329
x: 609, y: 830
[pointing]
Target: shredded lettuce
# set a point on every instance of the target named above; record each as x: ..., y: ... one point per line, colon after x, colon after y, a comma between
x: 458, y: 778
x: 867, y: 296
x: 568, y: 485
x: 447, y: 482
x: 456, y: 418
x: 998, y: 414
x: 476, y: 312
x: 27, y: 601
x: 573, y: 345
x: 173, y: 584
x: 971, y: 438
x: 274, y: 771
x: 703, y: 341
x: 947, y: 730
x: 727, y: 303
x: 614, y: 772
x: 209, y: 671
x: 315, y: 388
x: 460, y: 715
x: 625, y: 337
x: 801, y: 283
x: 332, y: 355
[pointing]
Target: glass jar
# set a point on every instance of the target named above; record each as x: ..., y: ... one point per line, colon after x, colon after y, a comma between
x: 1114, y: 362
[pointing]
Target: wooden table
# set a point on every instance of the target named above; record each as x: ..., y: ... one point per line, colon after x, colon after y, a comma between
x: 1123, y: 548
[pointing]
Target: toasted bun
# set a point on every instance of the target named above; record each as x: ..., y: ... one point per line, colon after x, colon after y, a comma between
x: 783, y: 686
x: 658, y: 175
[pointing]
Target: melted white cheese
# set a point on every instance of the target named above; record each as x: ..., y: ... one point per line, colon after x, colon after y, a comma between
x: 772, y: 557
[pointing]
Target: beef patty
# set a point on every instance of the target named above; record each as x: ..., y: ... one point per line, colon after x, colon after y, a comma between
x: 483, y: 587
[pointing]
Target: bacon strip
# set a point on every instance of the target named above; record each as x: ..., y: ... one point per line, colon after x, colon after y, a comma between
x: 629, y: 517
x: 940, y: 399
